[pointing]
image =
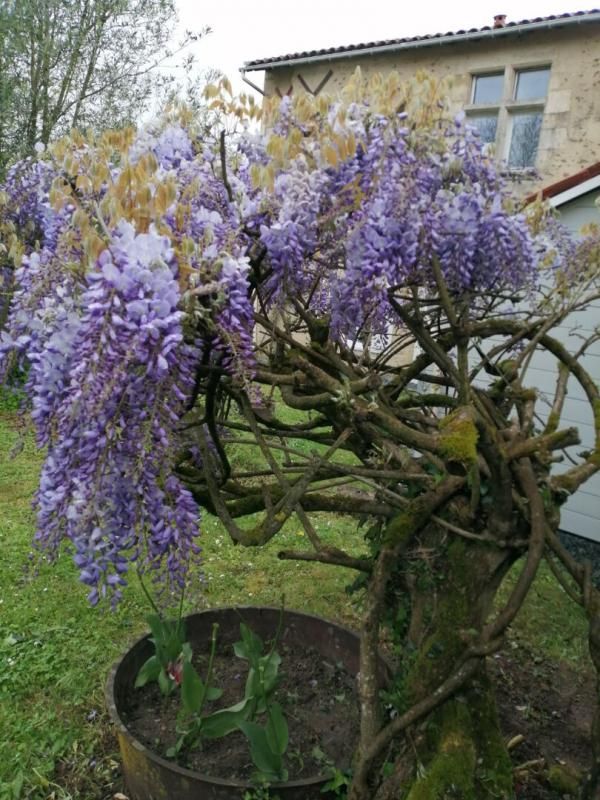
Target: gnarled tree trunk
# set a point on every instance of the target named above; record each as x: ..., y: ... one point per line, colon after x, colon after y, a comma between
x: 456, y: 749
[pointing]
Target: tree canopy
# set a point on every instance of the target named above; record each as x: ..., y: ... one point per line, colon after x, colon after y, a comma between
x: 78, y: 64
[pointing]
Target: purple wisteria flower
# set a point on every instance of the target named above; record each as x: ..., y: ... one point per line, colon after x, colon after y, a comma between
x: 127, y: 285
x: 376, y: 221
x: 109, y: 368
x: 171, y: 146
x: 106, y: 484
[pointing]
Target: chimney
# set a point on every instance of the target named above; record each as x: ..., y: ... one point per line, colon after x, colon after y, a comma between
x: 499, y: 20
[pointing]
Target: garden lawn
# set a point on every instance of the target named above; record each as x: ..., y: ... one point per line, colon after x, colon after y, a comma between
x: 55, y: 650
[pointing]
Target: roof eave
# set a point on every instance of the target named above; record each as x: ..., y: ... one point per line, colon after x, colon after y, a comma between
x: 574, y: 192
x: 458, y: 38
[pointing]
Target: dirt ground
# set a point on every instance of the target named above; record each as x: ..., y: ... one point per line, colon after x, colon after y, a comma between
x: 551, y: 706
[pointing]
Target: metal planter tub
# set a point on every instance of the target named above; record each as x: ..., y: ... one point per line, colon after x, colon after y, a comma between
x: 149, y: 776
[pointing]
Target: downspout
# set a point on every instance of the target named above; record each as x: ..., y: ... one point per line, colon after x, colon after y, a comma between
x: 249, y: 82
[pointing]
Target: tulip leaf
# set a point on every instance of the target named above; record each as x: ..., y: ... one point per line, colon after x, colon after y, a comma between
x: 192, y: 688
x: 149, y: 671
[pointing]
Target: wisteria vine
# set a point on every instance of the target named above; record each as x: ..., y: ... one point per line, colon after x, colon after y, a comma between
x: 136, y: 261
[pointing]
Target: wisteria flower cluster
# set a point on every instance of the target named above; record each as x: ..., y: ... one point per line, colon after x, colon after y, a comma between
x: 140, y: 256
x: 97, y: 322
x: 366, y: 210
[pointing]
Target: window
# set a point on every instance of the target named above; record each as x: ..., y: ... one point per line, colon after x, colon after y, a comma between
x: 507, y: 108
x: 487, y: 125
x: 376, y: 341
x: 531, y: 86
x: 487, y: 91
x: 488, y: 88
x: 524, y: 139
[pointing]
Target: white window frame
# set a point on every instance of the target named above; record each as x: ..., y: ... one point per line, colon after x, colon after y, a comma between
x: 480, y: 109
x: 486, y: 74
x: 377, y: 341
x: 507, y: 107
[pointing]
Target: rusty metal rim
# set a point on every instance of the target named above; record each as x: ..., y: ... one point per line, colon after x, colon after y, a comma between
x: 188, y: 773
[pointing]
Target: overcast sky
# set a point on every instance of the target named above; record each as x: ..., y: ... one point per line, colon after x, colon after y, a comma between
x: 244, y: 30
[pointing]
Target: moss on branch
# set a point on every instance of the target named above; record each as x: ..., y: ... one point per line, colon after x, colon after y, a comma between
x: 459, y: 436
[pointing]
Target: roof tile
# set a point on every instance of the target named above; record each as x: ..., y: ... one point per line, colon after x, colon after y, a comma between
x: 351, y: 48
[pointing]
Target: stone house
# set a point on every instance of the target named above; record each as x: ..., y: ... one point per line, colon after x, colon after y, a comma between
x: 533, y: 90
x: 531, y: 87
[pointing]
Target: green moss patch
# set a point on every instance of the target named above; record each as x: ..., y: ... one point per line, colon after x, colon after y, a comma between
x: 459, y: 436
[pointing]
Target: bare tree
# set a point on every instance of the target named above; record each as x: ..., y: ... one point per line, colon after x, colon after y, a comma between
x: 79, y: 64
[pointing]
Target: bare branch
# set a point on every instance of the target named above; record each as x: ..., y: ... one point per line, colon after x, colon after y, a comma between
x: 328, y: 555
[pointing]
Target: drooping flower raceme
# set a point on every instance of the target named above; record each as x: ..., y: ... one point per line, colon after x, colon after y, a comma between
x: 366, y: 208
x: 129, y: 347
x: 108, y: 385
x: 110, y: 373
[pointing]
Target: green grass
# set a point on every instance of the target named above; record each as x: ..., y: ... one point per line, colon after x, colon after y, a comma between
x: 549, y: 623
x: 55, y: 651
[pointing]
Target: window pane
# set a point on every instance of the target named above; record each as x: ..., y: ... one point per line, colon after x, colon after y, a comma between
x: 532, y: 84
x: 486, y: 124
x: 524, y: 141
x: 488, y: 88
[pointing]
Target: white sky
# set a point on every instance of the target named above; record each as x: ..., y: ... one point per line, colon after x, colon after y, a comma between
x: 245, y: 30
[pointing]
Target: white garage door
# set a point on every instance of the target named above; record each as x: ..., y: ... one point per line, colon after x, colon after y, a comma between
x: 581, y: 513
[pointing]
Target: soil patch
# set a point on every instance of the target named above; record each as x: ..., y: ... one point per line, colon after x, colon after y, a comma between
x: 551, y: 706
x: 319, y: 699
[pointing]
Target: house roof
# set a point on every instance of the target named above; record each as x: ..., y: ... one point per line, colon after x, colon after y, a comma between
x: 368, y: 48
x: 566, y: 189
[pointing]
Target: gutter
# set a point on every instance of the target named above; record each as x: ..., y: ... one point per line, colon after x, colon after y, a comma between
x: 455, y: 38
x: 570, y: 187
x: 575, y: 192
